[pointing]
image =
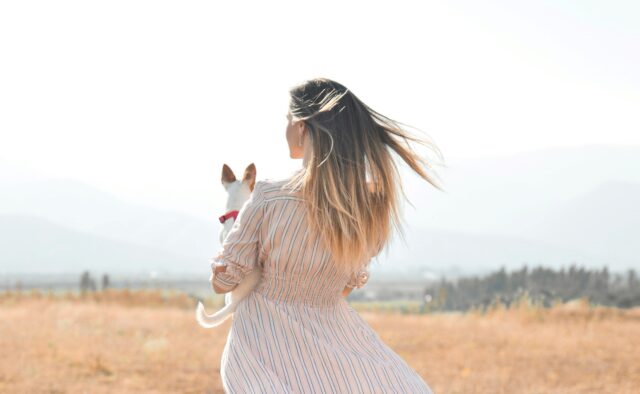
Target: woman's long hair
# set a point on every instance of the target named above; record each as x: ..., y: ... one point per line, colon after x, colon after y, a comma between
x: 350, y: 181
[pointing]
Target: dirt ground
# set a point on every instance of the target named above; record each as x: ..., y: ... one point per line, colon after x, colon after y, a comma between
x: 129, y: 344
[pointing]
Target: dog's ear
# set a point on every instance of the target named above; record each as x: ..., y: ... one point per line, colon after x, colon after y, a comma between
x: 227, y: 175
x: 250, y: 176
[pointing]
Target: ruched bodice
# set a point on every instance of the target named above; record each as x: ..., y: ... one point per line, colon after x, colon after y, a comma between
x: 299, y: 289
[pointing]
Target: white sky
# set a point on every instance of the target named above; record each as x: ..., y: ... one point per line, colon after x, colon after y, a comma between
x: 147, y: 99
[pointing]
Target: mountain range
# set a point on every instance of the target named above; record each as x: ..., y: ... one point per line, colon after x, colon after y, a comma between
x: 550, y: 207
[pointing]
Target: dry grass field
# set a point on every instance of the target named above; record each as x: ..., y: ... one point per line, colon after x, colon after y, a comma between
x: 124, y: 342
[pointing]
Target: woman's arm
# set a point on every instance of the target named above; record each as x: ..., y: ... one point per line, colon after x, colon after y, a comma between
x: 240, y: 250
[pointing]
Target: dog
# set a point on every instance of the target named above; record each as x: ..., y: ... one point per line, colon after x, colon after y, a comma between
x: 238, y: 192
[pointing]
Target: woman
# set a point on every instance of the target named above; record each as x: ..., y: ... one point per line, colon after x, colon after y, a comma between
x: 314, y: 234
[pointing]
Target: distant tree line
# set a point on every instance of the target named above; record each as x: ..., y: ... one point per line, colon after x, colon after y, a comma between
x: 87, y: 283
x: 543, y: 285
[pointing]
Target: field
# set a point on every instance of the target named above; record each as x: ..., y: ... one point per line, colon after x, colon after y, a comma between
x: 126, y: 342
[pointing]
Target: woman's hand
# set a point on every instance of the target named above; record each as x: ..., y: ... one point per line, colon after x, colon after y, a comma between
x: 346, y: 291
x: 214, y: 271
x: 217, y: 269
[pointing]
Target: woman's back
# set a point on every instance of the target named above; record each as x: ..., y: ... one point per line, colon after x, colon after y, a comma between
x: 296, y: 268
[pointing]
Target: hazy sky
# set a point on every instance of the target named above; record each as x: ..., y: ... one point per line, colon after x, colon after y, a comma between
x: 147, y: 99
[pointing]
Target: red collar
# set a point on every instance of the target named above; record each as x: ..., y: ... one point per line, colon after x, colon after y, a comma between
x: 228, y: 215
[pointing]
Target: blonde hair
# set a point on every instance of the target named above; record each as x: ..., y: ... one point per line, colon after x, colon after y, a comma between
x: 350, y: 182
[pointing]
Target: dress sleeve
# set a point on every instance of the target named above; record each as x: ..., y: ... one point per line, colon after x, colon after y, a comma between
x: 241, y: 247
x: 359, y: 278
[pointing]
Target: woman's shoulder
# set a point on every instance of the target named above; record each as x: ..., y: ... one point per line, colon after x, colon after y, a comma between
x: 277, y: 188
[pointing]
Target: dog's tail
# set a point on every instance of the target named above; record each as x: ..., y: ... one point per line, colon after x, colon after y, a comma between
x: 210, y: 321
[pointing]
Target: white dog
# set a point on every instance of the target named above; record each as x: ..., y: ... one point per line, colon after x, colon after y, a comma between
x: 238, y: 194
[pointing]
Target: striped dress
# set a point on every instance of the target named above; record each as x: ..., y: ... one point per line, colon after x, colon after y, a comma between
x: 295, y: 332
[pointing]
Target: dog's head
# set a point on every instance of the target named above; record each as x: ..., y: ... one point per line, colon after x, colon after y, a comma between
x: 229, y: 180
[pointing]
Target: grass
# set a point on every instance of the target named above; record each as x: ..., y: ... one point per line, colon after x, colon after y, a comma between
x: 148, y: 341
